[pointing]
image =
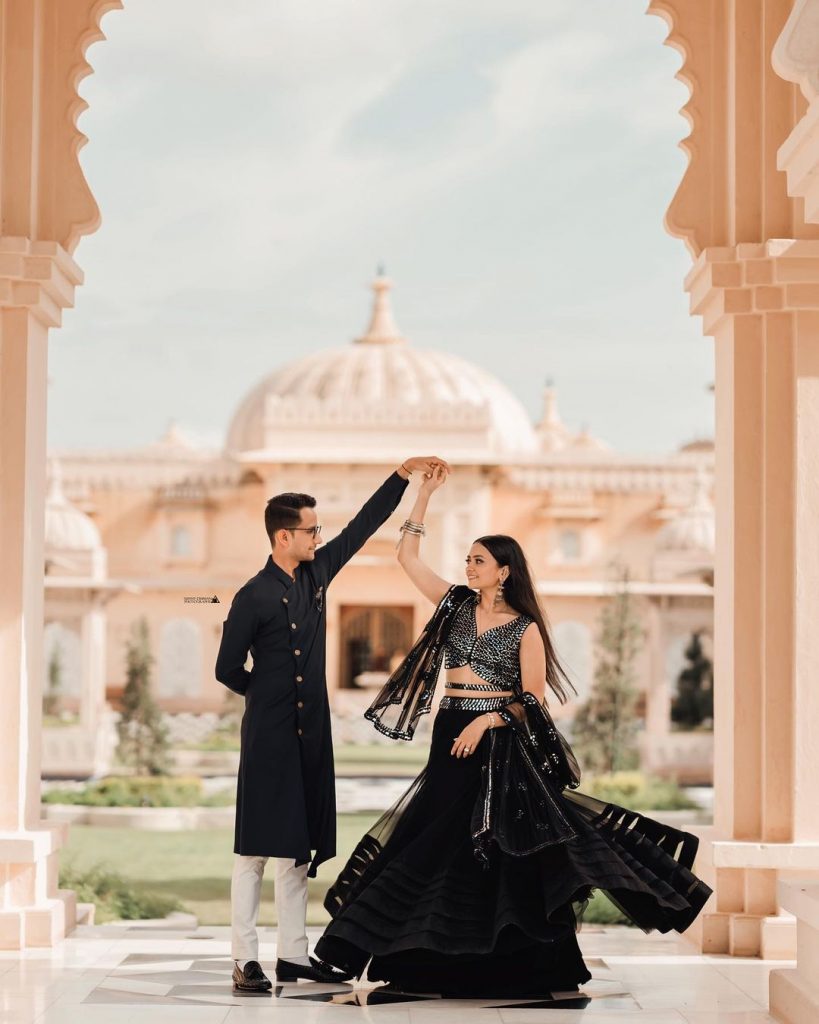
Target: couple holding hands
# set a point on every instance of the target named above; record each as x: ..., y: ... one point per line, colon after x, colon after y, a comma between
x: 474, y: 882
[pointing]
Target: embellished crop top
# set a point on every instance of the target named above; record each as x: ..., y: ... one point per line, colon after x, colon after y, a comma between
x: 494, y: 655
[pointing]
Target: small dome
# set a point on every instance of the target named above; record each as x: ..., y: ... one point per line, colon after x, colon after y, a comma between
x: 67, y: 528
x: 692, y: 529
x: 383, y: 389
x: 699, y: 444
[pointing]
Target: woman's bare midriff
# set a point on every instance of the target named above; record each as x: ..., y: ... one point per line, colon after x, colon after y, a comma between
x: 466, y: 675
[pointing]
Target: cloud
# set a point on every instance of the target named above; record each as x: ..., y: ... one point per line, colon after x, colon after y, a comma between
x: 510, y: 162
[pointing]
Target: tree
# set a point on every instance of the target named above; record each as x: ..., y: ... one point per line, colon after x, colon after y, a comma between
x: 693, y: 705
x: 605, y: 727
x: 143, y: 737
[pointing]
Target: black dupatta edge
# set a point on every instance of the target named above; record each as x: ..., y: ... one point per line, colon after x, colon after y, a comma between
x: 408, y: 692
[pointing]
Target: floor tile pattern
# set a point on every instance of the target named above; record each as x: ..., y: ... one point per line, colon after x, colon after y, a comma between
x: 131, y: 974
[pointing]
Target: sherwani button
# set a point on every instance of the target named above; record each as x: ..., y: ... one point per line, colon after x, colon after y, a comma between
x: 292, y: 625
x: 299, y: 679
x: 300, y: 704
x: 297, y: 651
x: 284, y: 600
x: 299, y: 732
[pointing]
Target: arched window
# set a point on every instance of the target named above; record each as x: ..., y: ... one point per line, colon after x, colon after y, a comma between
x: 569, y: 545
x: 180, y: 659
x: 573, y: 644
x: 181, y: 543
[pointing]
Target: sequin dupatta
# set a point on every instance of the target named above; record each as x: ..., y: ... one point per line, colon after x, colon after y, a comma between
x: 527, y: 767
x: 408, y: 692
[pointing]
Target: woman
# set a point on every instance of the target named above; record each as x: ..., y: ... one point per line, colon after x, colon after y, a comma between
x: 473, y: 883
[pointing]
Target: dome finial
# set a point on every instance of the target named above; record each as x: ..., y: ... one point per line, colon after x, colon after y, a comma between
x: 382, y: 329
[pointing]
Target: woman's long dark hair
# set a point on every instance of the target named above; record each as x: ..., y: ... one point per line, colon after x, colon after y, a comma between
x: 519, y: 593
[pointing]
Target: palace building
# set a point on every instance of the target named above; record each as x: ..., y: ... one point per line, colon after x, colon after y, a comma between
x: 162, y: 530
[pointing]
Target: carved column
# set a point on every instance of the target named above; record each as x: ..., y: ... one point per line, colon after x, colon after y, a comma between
x: 794, y: 994
x: 45, y: 207
x: 761, y: 304
x: 755, y: 282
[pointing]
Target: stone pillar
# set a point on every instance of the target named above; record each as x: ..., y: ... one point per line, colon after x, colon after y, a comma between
x: 92, y: 696
x: 761, y: 304
x: 37, y: 279
x: 752, y: 233
x: 45, y: 208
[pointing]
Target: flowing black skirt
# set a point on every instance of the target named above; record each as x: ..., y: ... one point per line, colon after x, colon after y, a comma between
x: 415, y: 903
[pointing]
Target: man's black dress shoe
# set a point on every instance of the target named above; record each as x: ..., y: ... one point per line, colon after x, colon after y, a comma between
x: 317, y: 971
x: 252, y: 981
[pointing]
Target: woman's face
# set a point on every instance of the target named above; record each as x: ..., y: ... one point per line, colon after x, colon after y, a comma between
x: 482, y: 571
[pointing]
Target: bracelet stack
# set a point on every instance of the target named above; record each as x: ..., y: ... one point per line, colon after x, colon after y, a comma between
x: 491, y: 716
x: 409, y: 526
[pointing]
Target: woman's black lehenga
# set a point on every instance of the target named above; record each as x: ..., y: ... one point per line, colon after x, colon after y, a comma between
x: 473, y: 883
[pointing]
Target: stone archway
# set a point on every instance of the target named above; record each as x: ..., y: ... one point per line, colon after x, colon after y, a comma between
x: 753, y: 235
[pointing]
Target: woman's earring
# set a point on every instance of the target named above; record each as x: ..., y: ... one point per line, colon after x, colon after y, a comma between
x: 499, y: 592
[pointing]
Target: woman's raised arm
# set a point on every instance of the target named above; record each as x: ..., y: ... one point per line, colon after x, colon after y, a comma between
x: 431, y: 585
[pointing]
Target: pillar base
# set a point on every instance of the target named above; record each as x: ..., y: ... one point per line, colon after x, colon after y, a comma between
x: 34, y: 912
x: 746, y: 916
x: 795, y: 993
x: 39, y: 925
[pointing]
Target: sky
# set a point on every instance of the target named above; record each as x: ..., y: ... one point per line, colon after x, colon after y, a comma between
x: 509, y: 163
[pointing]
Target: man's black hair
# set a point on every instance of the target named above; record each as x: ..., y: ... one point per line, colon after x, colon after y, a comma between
x: 283, y: 511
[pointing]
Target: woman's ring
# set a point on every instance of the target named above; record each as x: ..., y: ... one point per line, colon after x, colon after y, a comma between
x: 467, y: 749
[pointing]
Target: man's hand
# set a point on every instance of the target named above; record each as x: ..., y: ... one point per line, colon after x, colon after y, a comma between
x: 426, y: 464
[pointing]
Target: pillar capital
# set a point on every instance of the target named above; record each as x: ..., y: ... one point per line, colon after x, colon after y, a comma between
x: 38, y: 276
x: 779, y: 275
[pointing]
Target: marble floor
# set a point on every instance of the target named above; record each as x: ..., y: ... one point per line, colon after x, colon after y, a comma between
x: 143, y: 974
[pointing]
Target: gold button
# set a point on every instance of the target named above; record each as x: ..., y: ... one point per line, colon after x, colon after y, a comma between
x: 299, y: 732
x: 299, y: 679
x: 297, y: 651
x: 292, y: 625
x: 300, y: 704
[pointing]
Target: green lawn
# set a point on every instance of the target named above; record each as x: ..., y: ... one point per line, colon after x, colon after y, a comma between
x: 195, y: 866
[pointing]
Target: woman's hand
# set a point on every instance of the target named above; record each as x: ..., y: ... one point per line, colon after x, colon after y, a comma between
x: 425, y: 464
x: 467, y: 743
x: 434, y: 480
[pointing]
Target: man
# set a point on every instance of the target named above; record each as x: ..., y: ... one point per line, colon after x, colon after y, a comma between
x: 285, y: 802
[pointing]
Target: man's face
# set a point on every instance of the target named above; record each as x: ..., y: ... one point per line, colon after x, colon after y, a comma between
x: 302, y: 542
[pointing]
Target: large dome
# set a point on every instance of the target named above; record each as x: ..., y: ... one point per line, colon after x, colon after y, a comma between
x: 384, y: 391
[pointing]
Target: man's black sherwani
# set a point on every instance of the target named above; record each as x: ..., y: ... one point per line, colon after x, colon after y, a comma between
x: 285, y: 802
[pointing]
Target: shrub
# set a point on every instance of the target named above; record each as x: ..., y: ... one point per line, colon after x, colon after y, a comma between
x: 118, y: 791
x: 600, y: 910
x: 637, y: 791
x: 114, y: 897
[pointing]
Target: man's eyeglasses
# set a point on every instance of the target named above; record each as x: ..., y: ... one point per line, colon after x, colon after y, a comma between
x: 315, y: 530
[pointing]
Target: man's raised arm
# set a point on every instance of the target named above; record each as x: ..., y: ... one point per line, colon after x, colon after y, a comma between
x: 374, y: 513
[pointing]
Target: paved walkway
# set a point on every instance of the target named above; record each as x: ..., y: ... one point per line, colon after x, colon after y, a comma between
x: 137, y: 974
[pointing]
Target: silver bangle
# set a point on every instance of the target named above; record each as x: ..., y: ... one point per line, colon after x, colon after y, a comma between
x: 491, y: 716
